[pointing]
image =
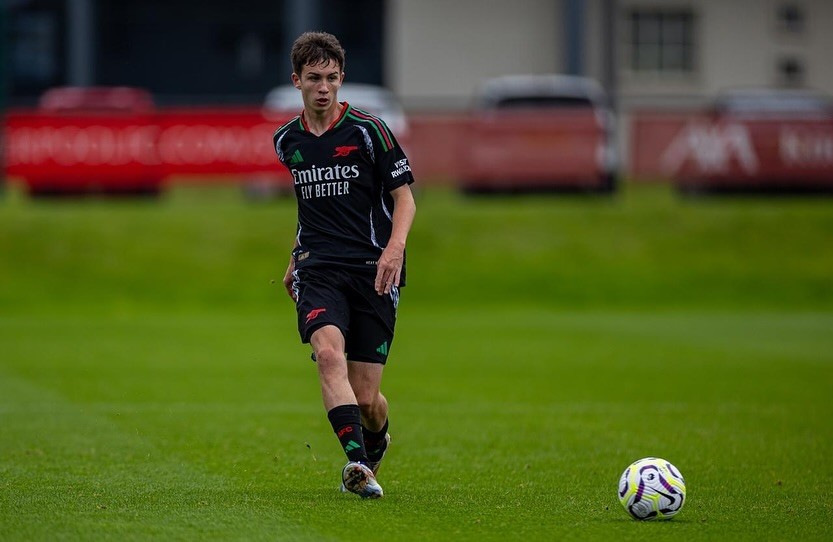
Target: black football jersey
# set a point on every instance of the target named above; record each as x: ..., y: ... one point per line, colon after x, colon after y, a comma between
x: 343, y: 180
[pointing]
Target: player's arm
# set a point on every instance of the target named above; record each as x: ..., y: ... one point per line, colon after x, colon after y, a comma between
x: 287, y: 277
x: 389, y: 268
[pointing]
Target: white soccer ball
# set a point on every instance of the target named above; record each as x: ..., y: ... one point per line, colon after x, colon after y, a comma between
x: 652, y: 488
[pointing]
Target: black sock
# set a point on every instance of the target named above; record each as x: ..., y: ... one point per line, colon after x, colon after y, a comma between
x: 374, y: 442
x: 347, y: 424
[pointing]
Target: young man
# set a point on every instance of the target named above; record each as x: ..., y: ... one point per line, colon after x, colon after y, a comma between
x: 355, y: 209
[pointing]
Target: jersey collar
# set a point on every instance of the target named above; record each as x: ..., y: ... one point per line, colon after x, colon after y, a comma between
x: 345, y: 107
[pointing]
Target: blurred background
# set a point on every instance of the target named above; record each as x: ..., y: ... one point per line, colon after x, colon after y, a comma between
x: 709, y: 93
x: 430, y: 53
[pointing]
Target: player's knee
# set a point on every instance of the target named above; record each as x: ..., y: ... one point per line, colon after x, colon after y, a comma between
x: 329, y: 357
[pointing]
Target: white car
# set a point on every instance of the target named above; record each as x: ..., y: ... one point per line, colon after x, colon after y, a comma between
x: 285, y: 100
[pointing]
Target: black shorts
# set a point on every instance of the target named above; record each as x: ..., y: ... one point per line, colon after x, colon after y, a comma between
x: 347, y: 300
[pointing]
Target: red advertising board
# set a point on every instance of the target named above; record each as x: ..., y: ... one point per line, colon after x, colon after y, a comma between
x: 60, y: 151
x: 135, y: 152
x: 700, y: 150
x: 68, y: 151
x: 536, y: 149
x: 210, y: 141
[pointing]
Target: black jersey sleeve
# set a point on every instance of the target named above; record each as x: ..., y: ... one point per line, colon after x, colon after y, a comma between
x: 390, y: 161
x: 393, y: 167
x: 277, y: 140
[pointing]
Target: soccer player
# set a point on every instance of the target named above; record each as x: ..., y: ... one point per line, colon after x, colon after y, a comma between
x: 355, y: 209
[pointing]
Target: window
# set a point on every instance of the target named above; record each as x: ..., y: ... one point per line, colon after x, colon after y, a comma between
x: 790, y: 72
x: 790, y: 18
x: 662, y: 40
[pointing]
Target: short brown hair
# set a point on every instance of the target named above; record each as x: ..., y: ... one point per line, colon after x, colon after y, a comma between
x: 313, y: 48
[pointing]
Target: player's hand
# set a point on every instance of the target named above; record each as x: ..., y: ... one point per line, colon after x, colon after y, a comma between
x: 288, y: 279
x: 389, y: 268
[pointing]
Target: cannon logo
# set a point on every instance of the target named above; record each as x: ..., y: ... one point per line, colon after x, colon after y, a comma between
x: 313, y: 314
x: 344, y: 151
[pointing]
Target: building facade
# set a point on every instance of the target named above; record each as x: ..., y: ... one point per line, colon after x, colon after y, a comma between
x: 431, y: 53
x: 651, y: 52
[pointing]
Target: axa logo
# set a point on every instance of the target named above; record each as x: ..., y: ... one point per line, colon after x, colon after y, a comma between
x: 313, y: 314
x: 296, y: 158
x: 344, y: 150
x: 711, y: 148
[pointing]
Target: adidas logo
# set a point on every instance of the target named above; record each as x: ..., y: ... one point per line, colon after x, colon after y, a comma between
x: 352, y: 445
x: 383, y: 348
x: 296, y: 158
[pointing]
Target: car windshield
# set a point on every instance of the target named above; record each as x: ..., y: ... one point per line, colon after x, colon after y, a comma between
x: 560, y: 102
x: 774, y: 103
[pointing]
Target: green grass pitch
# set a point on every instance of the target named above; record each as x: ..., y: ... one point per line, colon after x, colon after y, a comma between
x: 152, y: 385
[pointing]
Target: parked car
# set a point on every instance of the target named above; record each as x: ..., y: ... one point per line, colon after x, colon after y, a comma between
x: 285, y: 101
x: 540, y: 132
